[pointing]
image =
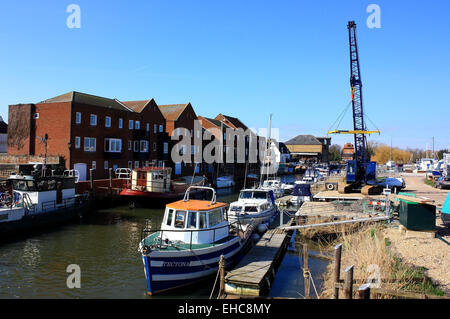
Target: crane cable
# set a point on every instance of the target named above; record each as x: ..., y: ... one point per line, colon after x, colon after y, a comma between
x: 340, y: 117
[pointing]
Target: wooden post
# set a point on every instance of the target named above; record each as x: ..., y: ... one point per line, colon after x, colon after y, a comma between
x: 337, y: 269
x: 364, y: 291
x: 348, y: 283
x: 281, y: 218
x: 92, y: 180
x: 222, y: 275
x: 306, y: 270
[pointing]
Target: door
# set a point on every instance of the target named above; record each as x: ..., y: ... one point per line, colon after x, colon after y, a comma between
x: 82, y: 170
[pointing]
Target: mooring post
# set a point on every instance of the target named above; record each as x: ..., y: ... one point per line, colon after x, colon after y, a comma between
x: 222, y: 275
x: 91, y: 177
x: 281, y: 218
x: 337, y: 269
x: 306, y: 270
x: 364, y: 291
x: 348, y: 283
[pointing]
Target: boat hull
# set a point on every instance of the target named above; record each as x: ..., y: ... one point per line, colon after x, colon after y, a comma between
x: 166, y: 270
x: 32, y: 222
x: 143, y: 198
x: 254, y: 219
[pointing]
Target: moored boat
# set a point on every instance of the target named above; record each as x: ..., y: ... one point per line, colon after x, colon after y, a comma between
x: 254, y: 206
x: 34, y: 202
x: 150, y: 185
x: 225, y: 181
x: 187, y: 247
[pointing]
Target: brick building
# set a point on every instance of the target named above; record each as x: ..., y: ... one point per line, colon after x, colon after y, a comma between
x: 308, y: 147
x: 89, y: 132
x: 180, y: 120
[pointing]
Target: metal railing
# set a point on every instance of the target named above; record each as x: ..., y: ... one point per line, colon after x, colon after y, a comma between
x: 161, y: 243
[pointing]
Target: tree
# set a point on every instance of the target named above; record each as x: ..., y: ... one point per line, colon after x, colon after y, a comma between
x: 335, y: 152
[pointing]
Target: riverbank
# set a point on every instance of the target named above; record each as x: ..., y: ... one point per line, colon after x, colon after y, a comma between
x: 375, y: 259
x: 403, y: 261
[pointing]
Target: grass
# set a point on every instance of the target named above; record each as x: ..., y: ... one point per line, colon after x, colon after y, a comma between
x: 368, y: 250
x: 429, y: 182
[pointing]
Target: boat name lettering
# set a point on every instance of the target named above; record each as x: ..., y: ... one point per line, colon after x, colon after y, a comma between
x: 176, y: 263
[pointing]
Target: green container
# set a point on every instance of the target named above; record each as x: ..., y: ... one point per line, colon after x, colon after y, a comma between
x: 417, y: 216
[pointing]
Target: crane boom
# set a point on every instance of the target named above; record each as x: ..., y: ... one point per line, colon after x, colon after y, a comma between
x: 361, y: 155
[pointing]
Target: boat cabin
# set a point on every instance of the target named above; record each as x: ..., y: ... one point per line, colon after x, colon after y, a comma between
x: 151, y: 179
x: 195, y: 221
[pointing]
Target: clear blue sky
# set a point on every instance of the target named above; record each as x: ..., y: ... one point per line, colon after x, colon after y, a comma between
x: 242, y: 58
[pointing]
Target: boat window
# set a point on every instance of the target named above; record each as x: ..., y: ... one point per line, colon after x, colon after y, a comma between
x: 203, y: 223
x: 259, y: 195
x: 251, y: 209
x: 236, y: 208
x: 169, y: 217
x: 215, y: 217
x: 180, y: 217
x: 245, y: 195
x: 20, y: 185
x: 192, y: 220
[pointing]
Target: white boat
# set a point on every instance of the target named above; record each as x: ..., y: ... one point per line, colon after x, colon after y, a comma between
x: 224, y: 182
x: 301, y: 193
x: 38, y: 201
x: 273, y: 185
x: 424, y: 165
x: 187, y: 247
x: 254, y: 206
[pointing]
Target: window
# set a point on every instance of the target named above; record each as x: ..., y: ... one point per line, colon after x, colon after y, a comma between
x: 166, y: 148
x: 113, y: 145
x: 161, y: 128
x: 78, y: 118
x: 130, y: 124
x: 215, y: 217
x: 154, y: 146
x: 155, y: 128
x: 93, y: 120
x: 106, y: 165
x: 77, y: 142
x: 180, y: 217
x: 94, y: 164
x: 108, y: 121
x: 120, y: 123
x: 169, y: 217
x: 89, y: 144
x: 192, y: 220
x: 137, y: 125
x: 130, y: 164
x: 136, y: 164
x: 198, y: 133
x: 130, y: 145
x: 160, y: 163
x: 136, y: 146
x: 192, y: 149
x: 203, y: 222
x: 147, y: 164
x: 144, y: 146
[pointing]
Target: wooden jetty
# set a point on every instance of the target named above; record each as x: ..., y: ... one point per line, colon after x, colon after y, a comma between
x: 254, y: 274
x: 335, y: 195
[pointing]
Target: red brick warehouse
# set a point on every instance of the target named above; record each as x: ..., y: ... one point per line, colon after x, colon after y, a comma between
x: 89, y: 131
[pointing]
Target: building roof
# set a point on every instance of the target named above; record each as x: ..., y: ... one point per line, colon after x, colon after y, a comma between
x: 208, y: 123
x: 137, y: 106
x: 303, y: 140
x: 87, y: 99
x: 3, y: 126
x: 172, y: 112
x: 237, y: 123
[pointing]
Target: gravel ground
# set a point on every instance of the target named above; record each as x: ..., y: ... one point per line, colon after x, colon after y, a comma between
x: 431, y: 253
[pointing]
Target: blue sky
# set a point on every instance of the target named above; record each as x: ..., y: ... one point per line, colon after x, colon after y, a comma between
x: 242, y: 58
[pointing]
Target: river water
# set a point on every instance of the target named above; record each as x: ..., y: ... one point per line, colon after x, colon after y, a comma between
x: 105, y: 246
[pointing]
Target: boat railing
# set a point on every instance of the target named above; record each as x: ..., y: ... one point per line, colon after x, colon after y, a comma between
x: 213, y: 198
x: 162, y: 243
x: 53, y: 205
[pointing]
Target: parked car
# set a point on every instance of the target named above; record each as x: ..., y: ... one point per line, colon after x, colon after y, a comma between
x: 442, y: 182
